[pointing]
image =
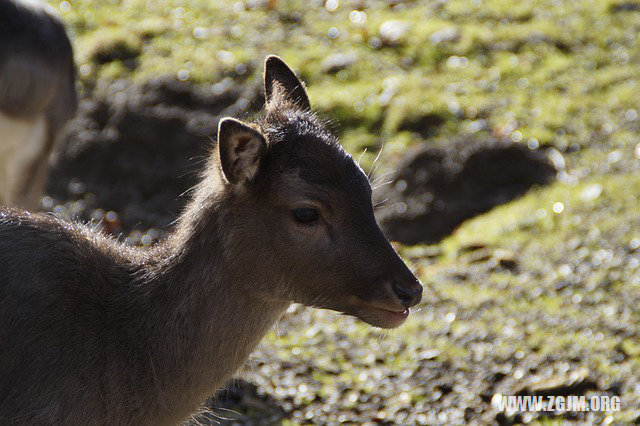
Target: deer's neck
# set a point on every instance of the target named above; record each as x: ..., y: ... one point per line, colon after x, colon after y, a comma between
x: 204, y: 320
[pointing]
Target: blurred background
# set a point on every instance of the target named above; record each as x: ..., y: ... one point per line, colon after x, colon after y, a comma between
x: 502, y: 138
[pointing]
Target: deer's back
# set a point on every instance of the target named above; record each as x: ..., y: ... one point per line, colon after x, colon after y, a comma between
x: 63, y: 325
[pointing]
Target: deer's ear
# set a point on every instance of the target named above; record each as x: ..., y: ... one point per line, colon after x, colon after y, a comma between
x: 241, y: 148
x: 281, y: 81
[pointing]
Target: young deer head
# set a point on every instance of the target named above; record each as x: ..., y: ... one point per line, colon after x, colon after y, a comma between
x: 302, y: 215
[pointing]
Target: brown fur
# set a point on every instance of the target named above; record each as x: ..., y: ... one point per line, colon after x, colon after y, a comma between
x: 95, y: 332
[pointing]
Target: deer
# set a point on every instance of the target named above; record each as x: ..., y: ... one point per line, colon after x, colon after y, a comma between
x: 37, y: 97
x: 97, y: 332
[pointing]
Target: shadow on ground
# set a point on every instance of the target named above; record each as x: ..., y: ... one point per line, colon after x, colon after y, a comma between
x: 242, y: 403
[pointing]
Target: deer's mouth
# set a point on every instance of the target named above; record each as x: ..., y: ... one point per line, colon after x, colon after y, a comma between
x: 381, y: 316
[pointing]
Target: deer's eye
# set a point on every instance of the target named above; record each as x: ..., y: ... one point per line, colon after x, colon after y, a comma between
x: 306, y: 215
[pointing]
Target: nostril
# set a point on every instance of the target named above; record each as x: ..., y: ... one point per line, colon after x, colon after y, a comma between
x: 407, y: 295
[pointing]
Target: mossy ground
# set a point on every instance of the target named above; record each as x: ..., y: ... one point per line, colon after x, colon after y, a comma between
x: 540, y: 288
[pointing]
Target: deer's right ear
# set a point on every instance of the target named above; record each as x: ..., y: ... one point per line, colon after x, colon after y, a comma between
x: 241, y: 148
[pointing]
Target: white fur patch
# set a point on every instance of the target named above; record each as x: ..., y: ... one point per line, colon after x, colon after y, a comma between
x: 21, y: 143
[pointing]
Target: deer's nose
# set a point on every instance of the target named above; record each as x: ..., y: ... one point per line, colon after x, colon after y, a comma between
x: 409, y: 295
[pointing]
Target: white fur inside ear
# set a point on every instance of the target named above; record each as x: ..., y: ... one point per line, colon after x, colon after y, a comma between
x: 241, y: 148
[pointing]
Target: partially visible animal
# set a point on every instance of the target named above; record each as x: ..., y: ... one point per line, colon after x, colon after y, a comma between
x: 37, y: 97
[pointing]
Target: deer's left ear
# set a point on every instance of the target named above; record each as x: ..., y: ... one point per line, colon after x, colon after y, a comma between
x: 241, y: 148
x: 278, y: 77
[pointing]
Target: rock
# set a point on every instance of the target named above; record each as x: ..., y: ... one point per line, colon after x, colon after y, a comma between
x: 556, y: 158
x: 445, y: 35
x: 394, y: 32
x: 338, y: 61
x: 436, y: 189
x: 479, y: 256
x: 428, y: 354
